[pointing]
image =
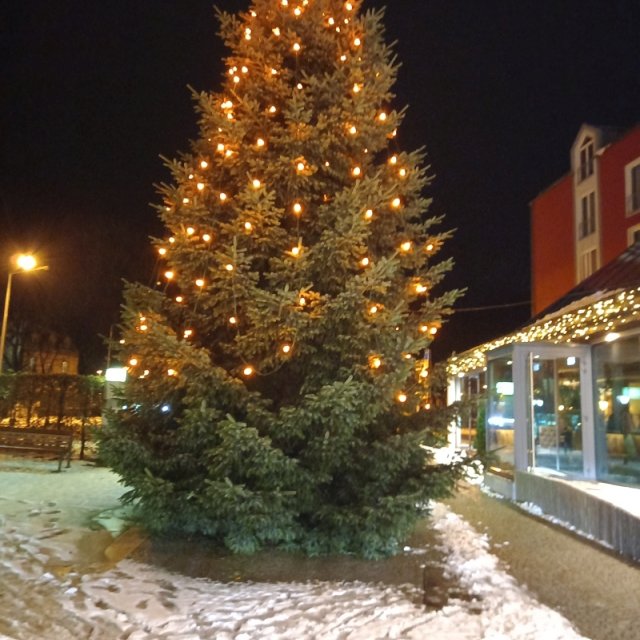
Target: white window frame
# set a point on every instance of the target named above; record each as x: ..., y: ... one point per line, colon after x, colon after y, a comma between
x: 631, y: 233
x: 588, y: 262
x: 586, y: 159
x: 588, y: 215
x: 631, y: 198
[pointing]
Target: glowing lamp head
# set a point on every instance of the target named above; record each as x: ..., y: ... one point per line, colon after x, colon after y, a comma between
x: 169, y: 275
x: 297, y: 208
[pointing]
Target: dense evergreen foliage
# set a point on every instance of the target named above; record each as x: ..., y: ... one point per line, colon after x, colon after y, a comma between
x: 278, y: 385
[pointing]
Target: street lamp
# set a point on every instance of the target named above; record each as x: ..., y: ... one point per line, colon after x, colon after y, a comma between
x: 25, y: 263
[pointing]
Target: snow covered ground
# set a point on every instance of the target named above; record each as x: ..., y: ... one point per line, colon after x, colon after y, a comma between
x: 56, y: 584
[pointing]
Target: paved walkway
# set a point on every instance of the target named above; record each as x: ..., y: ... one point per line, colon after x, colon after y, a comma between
x: 594, y: 588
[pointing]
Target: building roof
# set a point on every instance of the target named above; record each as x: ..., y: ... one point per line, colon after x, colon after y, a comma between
x: 621, y: 273
x: 607, y: 301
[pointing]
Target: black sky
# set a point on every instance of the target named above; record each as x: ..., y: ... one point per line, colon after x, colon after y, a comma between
x: 94, y: 92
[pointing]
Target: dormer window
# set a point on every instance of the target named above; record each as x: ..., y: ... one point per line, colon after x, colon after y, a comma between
x: 585, y: 169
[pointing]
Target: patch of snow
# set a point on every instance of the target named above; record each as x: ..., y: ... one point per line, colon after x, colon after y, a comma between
x: 143, y: 602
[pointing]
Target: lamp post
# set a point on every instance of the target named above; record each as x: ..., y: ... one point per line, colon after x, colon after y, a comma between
x: 25, y: 263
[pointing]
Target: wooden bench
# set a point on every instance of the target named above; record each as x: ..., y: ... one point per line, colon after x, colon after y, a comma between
x: 57, y: 443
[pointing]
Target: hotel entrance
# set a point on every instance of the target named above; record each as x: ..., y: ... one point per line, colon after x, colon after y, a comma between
x: 541, y: 408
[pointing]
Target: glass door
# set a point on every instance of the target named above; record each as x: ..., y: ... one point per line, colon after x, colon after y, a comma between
x: 556, y: 413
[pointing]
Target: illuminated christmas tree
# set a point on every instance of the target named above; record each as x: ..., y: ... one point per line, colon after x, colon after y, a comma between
x: 278, y: 378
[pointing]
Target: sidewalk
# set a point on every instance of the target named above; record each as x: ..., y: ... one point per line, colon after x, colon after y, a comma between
x: 594, y: 588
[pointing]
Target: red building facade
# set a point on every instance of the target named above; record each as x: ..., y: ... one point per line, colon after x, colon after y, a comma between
x: 589, y: 216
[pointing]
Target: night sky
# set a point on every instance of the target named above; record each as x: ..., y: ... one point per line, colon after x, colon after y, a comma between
x: 95, y: 92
